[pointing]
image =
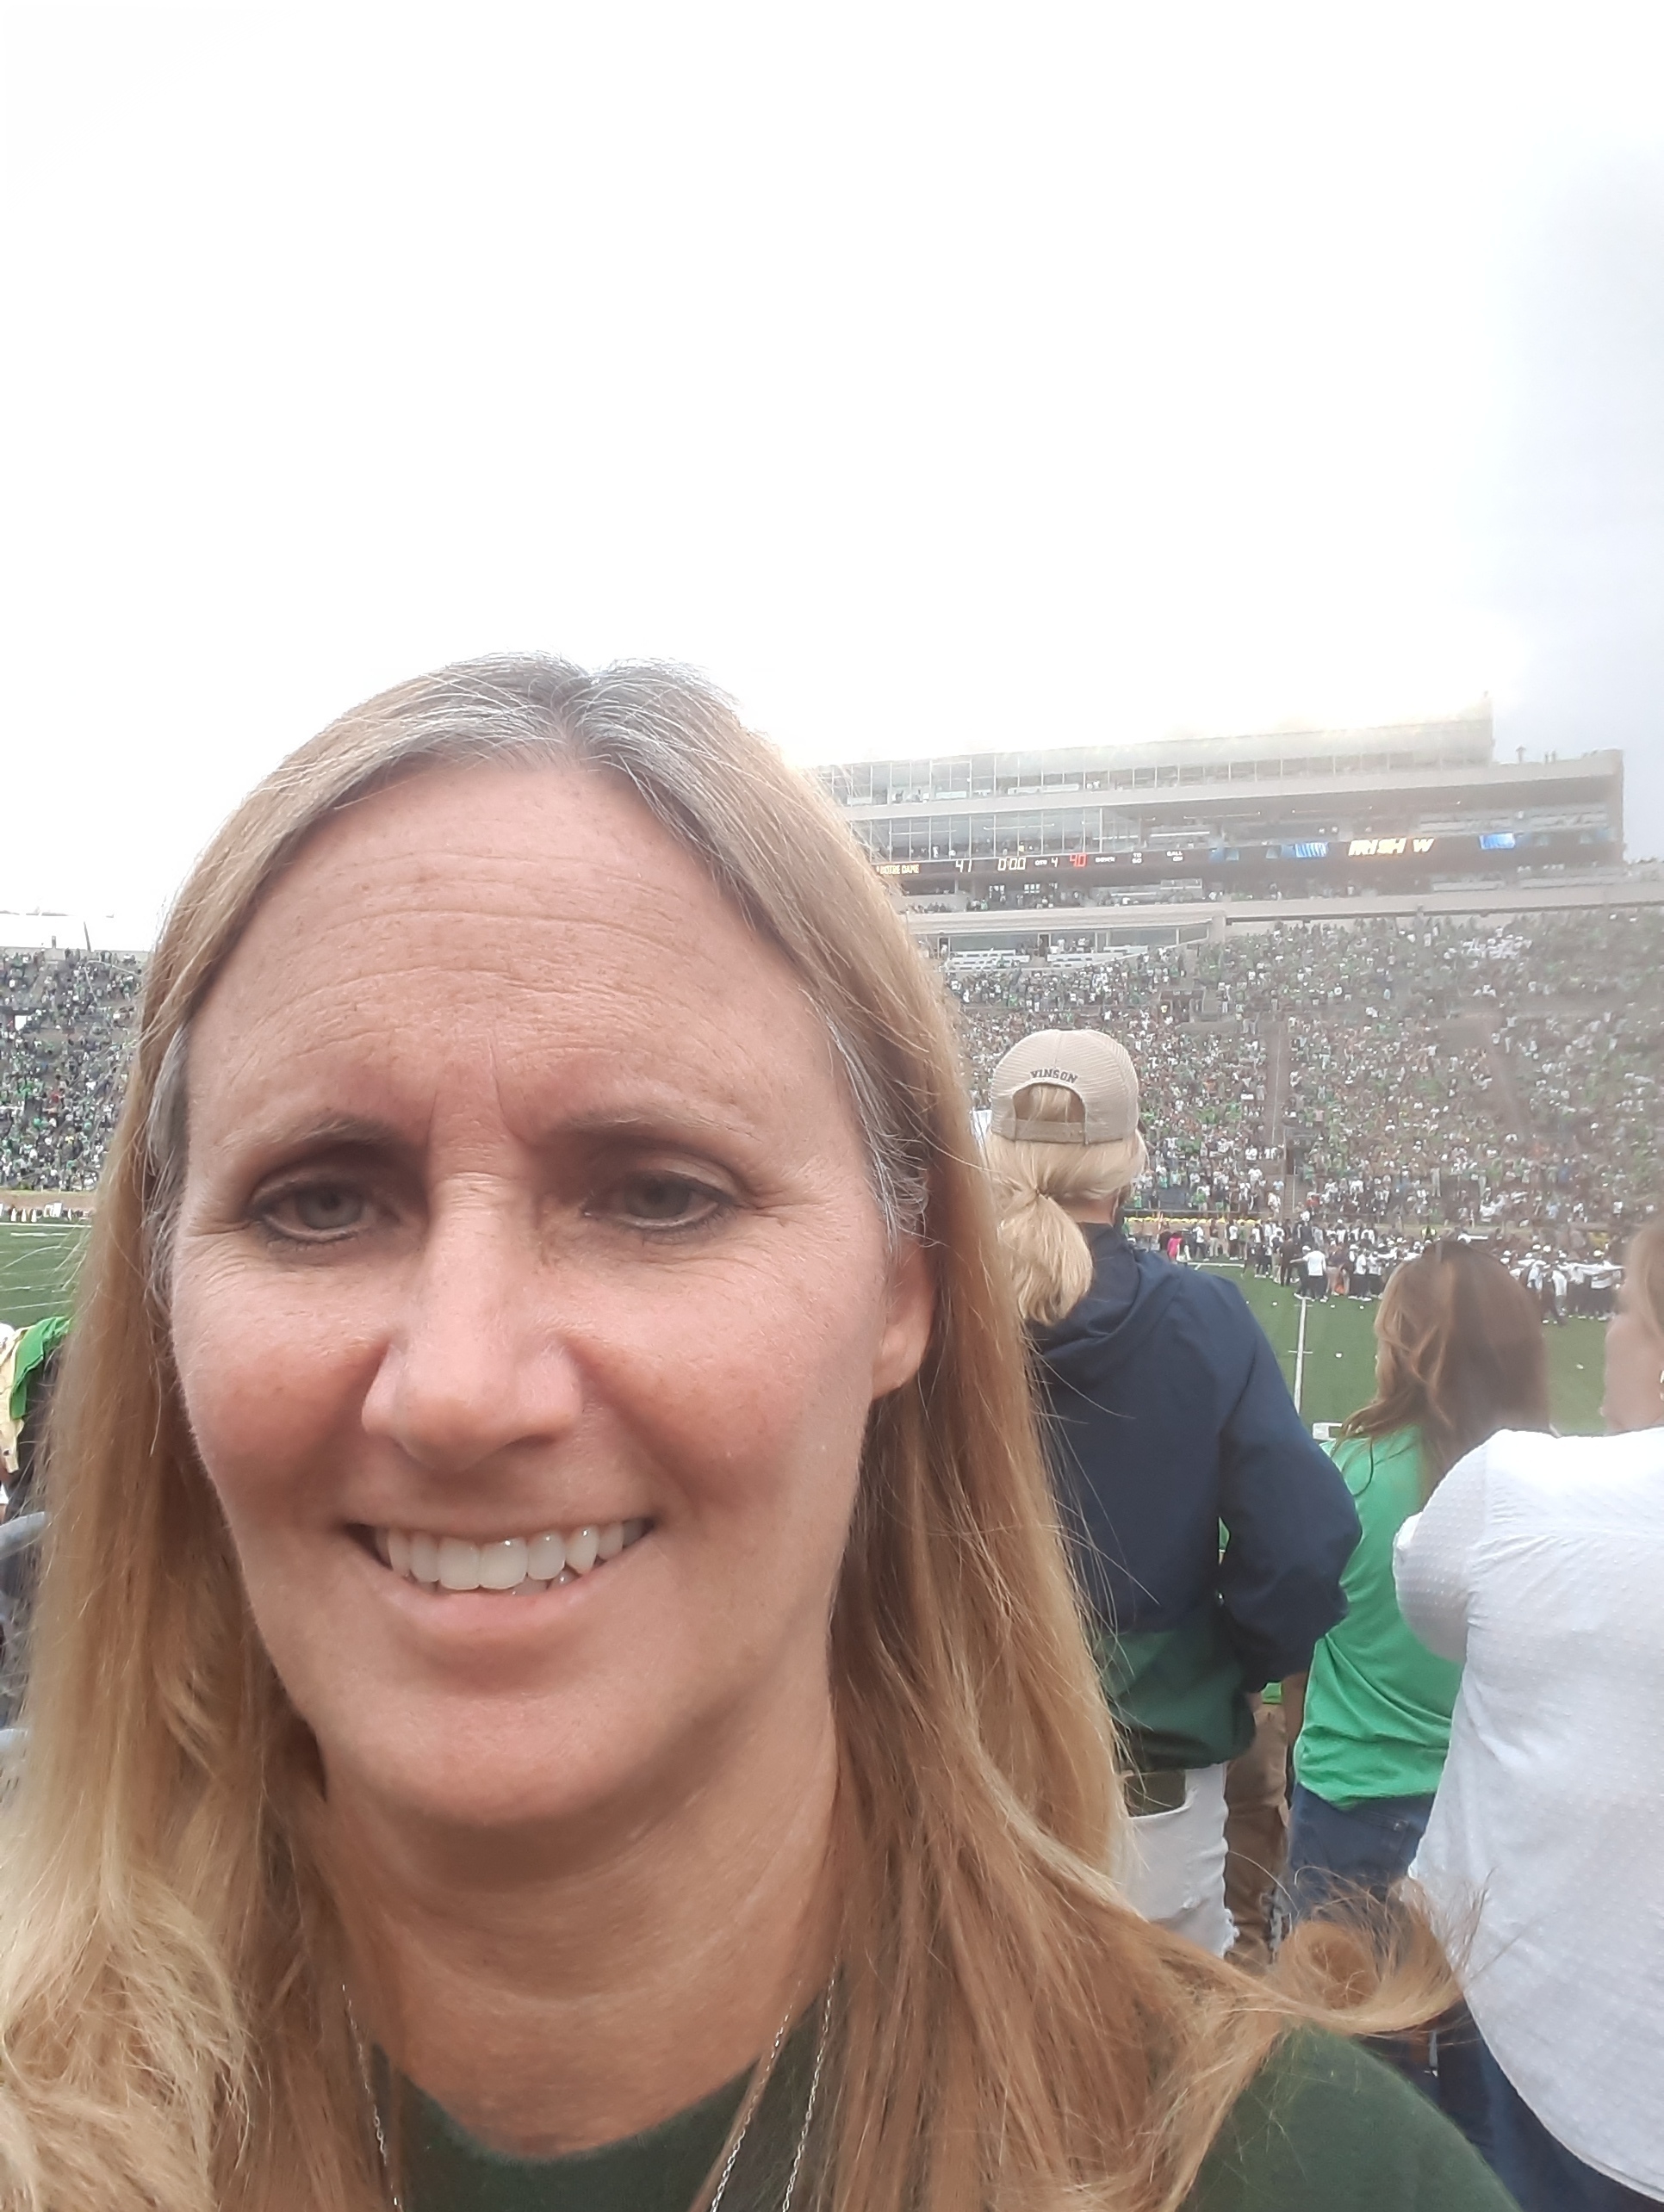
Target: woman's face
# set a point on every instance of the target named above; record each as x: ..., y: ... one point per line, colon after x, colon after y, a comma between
x: 1635, y: 1362
x: 526, y: 1233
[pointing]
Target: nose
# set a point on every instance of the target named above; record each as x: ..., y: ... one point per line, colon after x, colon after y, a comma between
x: 475, y: 1362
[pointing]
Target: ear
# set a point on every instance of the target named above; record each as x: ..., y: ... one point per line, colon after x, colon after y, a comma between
x: 912, y: 1313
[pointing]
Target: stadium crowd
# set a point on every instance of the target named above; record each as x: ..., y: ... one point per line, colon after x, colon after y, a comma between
x: 1505, y: 1076
x: 67, y: 1022
x: 1456, y: 1073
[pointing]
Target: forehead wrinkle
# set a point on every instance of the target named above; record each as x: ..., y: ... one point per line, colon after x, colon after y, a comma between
x: 323, y: 1051
x: 423, y: 857
x: 647, y: 966
x: 456, y: 884
x: 579, y: 958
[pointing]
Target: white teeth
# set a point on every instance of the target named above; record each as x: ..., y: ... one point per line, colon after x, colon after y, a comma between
x: 503, y: 1566
x: 459, y: 1564
x: 546, y: 1557
x: 507, y: 1563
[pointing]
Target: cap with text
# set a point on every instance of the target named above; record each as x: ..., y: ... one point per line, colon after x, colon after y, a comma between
x: 1084, y: 1060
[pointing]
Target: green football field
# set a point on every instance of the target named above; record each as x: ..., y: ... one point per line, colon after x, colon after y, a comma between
x: 1336, y: 1374
x: 37, y: 1268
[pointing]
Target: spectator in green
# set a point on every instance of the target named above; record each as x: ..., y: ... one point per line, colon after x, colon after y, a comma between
x: 1459, y: 1355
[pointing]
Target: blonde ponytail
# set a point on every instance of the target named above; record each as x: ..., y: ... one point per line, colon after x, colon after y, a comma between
x: 1049, y: 1260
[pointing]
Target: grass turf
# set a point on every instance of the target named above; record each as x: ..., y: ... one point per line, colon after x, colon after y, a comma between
x: 1338, y: 1374
x: 38, y: 1261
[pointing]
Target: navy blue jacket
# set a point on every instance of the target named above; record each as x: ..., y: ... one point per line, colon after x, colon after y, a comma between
x: 1170, y: 1433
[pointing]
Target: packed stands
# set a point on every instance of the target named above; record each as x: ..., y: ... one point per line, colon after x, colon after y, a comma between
x: 67, y: 1022
x: 1450, y: 1071
x: 1502, y: 1074
x: 1204, y: 1085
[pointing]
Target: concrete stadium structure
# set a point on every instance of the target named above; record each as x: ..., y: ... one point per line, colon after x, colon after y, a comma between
x: 1113, y: 929
x: 1034, y: 842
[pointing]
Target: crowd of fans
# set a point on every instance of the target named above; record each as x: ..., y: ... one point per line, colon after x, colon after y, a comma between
x: 1504, y: 1075
x: 1204, y: 1083
x: 1456, y: 1071
x: 67, y: 1022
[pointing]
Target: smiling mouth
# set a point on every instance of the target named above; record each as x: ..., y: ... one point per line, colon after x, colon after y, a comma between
x: 503, y: 1564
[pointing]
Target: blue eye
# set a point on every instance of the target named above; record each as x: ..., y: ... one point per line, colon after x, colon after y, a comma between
x: 329, y: 1206
x: 317, y: 1209
x: 654, y: 1200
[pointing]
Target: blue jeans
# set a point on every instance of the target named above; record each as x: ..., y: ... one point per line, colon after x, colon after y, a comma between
x: 1540, y: 2173
x: 1367, y: 1847
x: 1333, y: 1855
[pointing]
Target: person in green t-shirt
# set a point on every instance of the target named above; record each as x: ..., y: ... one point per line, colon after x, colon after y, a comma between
x: 1378, y: 1703
x: 1459, y: 1355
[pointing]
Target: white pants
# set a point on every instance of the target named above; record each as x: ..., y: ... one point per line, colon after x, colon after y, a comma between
x: 1173, y: 1868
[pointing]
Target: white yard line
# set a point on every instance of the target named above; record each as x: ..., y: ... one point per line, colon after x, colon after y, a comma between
x: 1299, y: 1351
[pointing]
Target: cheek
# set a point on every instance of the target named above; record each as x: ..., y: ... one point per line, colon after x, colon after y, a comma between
x: 264, y: 1387
x: 755, y: 1400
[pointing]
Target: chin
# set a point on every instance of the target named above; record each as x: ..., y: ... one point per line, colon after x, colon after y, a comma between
x: 487, y: 1789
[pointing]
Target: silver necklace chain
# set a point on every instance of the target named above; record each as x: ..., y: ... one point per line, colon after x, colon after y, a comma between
x: 802, y: 2150
x: 798, y: 2155
x: 368, y: 2083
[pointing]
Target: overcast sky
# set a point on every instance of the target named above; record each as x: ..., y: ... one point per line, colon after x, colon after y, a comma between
x: 933, y: 376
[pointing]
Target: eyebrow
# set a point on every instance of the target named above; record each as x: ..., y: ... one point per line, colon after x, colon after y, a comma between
x: 350, y: 1131
x: 365, y: 1133
x: 631, y: 1121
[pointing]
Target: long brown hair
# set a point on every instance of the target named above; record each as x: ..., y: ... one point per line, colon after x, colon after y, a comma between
x: 1459, y: 1355
x: 174, y: 1955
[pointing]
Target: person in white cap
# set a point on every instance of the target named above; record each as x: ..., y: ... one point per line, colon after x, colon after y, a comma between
x: 1167, y: 1420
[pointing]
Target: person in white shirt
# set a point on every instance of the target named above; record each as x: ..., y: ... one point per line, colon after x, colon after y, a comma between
x: 1539, y: 1564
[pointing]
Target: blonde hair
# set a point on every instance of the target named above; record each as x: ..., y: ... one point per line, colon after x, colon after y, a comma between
x: 174, y: 1949
x: 1050, y: 1260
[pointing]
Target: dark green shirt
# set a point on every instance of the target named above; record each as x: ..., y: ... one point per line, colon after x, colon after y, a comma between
x: 1323, y: 2128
